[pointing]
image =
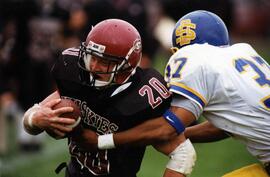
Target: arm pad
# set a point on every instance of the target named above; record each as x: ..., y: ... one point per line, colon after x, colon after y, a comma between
x: 183, y: 158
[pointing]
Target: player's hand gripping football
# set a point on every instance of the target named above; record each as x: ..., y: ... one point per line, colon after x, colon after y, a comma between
x: 50, y: 120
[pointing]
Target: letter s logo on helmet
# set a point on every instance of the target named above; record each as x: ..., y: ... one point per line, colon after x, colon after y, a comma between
x: 115, y: 42
x: 199, y: 27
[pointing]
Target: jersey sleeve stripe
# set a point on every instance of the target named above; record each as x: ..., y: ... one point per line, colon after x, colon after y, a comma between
x: 71, y: 51
x: 188, y: 92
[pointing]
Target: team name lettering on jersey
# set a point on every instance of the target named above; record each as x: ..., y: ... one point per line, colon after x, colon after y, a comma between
x: 89, y: 117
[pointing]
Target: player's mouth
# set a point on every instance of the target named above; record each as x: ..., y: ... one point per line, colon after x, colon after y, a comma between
x: 96, y: 76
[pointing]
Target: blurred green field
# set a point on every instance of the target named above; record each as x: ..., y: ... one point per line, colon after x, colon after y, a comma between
x: 214, y: 159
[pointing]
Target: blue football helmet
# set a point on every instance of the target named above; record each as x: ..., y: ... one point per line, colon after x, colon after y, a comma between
x: 199, y: 27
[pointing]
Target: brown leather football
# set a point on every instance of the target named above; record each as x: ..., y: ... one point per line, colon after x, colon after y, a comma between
x: 76, y: 114
x: 69, y: 103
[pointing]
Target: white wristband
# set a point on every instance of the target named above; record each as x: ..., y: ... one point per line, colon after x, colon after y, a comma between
x: 30, y: 117
x: 106, y: 142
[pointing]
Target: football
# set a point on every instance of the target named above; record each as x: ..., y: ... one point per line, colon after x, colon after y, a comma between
x: 76, y: 114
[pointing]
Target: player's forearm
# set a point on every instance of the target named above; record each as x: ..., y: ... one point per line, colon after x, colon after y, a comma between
x: 155, y: 130
x: 168, y: 146
x: 204, y: 132
x: 149, y: 132
x: 171, y: 173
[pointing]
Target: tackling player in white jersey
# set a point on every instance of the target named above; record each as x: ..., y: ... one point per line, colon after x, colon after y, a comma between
x: 228, y: 85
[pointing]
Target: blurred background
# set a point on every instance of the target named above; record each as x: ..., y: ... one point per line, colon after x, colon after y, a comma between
x: 34, y: 32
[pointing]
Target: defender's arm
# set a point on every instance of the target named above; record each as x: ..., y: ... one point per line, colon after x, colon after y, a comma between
x: 157, y: 132
x: 205, y: 132
x: 154, y: 130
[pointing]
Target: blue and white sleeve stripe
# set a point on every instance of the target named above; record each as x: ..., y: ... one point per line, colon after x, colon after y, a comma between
x: 188, y: 92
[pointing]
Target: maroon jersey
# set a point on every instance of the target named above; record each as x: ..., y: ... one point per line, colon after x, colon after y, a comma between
x: 119, y: 107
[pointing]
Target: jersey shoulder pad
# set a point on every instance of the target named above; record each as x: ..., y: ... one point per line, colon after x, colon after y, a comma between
x: 147, y: 97
x: 73, y: 51
x: 65, y: 67
x: 182, y: 64
x: 244, y: 47
x: 145, y: 75
x: 186, y: 76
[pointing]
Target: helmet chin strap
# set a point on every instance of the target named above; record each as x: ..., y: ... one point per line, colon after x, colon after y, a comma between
x: 87, y: 58
x: 97, y: 83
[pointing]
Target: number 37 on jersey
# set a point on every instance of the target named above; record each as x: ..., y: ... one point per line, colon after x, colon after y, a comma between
x: 250, y: 71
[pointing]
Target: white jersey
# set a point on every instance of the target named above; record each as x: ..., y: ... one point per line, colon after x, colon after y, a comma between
x: 231, y: 88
